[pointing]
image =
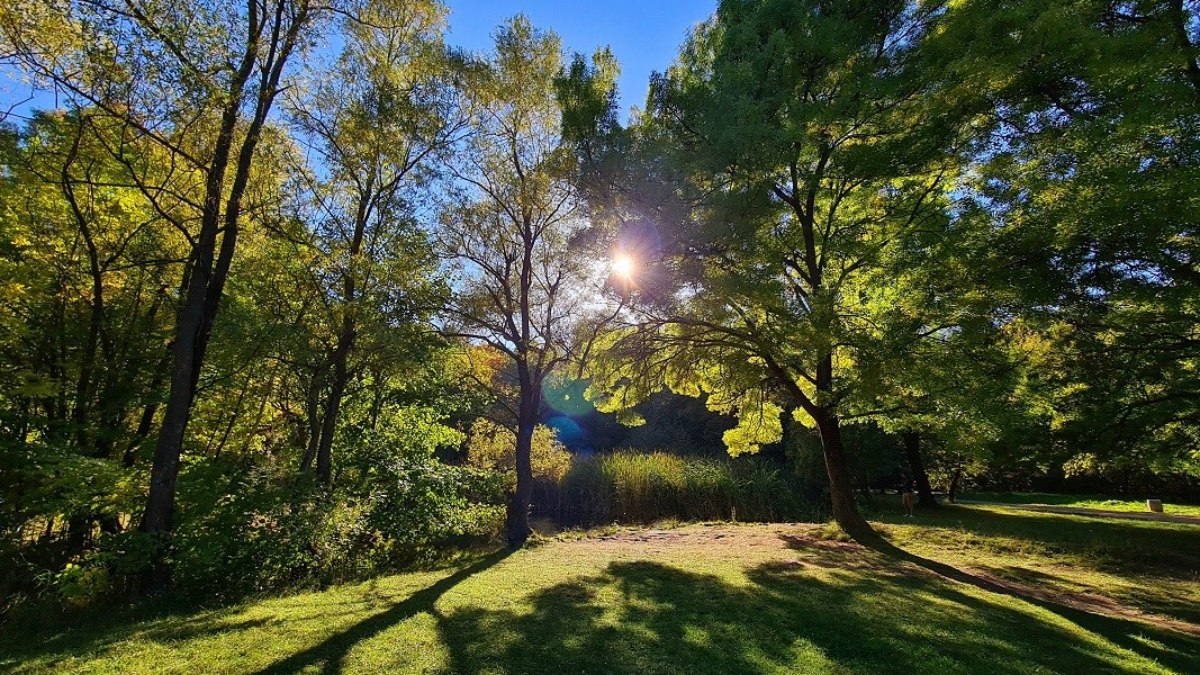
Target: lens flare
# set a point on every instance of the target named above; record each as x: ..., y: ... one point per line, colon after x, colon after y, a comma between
x: 622, y: 265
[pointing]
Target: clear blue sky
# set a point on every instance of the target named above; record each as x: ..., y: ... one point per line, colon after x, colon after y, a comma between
x: 644, y: 34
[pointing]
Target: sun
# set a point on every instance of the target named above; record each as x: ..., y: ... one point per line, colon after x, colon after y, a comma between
x: 622, y: 265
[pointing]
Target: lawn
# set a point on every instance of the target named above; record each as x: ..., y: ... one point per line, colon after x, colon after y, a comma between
x: 980, y: 590
x: 1082, y: 501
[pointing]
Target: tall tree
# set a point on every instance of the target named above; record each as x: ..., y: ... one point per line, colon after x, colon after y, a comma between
x: 199, y: 80
x: 378, y: 120
x: 508, y: 238
x: 1086, y: 185
x: 793, y: 136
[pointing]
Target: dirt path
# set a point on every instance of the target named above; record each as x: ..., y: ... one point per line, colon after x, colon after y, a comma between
x: 1094, y: 513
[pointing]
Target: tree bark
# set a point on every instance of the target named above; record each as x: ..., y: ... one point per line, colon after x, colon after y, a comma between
x: 210, y: 264
x: 912, y: 451
x: 517, y: 518
x: 312, y: 408
x: 333, y: 406
x: 952, y: 493
x: 87, y: 376
x: 837, y: 468
x: 346, y: 338
x: 841, y: 486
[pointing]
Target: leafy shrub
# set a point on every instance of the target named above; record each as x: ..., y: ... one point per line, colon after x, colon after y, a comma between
x: 79, y: 586
x: 633, y: 487
x: 492, y: 446
x: 55, y: 505
x: 272, y: 532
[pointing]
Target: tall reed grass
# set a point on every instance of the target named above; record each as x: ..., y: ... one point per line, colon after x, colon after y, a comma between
x: 641, y: 487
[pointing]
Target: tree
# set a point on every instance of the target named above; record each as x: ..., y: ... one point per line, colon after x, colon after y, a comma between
x: 87, y: 266
x: 792, y: 134
x: 199, y: 81
x: 508, y: 237
x: 1086, y: 187
x: 378, y: 119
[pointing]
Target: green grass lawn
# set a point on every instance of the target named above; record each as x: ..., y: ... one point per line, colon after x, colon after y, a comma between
x: 708, y: 599
x: 1082, y: 501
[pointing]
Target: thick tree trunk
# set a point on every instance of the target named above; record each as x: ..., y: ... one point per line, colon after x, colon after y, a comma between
x: 164, y: 473
x: 841, y: 486
x: 912, y: 451
x: 517, y: 520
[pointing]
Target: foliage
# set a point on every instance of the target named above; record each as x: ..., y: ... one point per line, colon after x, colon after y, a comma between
x: 272, y: 265
x: 265, y: 533
x: 492, y: 446
x: 641, y: 487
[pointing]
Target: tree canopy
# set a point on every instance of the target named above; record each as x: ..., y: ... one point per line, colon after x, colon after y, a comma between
x: 304, y: 288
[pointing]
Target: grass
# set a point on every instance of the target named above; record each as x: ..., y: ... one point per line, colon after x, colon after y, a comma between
x: 715, y: 598
x: 1082, y: 501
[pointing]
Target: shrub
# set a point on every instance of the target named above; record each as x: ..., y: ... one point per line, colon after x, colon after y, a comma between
x: 492, y: 446
x: 633, y: 487
x: 271, y: 533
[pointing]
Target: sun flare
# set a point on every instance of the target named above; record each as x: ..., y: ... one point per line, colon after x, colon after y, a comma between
x: 622, y: 265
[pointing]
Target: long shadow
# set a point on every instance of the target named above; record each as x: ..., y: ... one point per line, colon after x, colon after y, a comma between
x: 1167, y: 548
x: 1145, y: 554
x: 1175, y: 643
x: 168, y: 620
x: 333, y: 650
x: 1062, y: 606
x: 644, y: 617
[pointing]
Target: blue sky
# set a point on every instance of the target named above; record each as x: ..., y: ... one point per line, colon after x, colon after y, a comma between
x: 644, y: 34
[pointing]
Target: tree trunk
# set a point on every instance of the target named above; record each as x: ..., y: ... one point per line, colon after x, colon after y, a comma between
x: 912, y: 450
x: 210, y: 264
x: 841, y: 487
x: 346, y: 338
x: 517, y: 520
x: 147, y: 419
x: 952, y: 494
x: 312, y: 408
x: 87, y: 375
x: 333, y: 405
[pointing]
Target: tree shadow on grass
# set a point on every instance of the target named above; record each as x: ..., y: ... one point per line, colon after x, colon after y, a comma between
x: 1168, y: 549
x: 1152, y: 558
x: 163, y: 622
x: 333, y: 650
x: 643, y: 617
x: 1174, y: 646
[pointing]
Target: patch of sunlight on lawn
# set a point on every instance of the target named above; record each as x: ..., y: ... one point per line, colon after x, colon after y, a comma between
x: 689, y: 601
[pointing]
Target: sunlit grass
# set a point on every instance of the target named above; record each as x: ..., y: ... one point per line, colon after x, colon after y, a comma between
x: 694, y: 599
x: 1083, y: 501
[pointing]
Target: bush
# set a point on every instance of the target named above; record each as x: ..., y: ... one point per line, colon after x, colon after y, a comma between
x: 492, y: 446
x: 633, y: 487
x: 272, y: 533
